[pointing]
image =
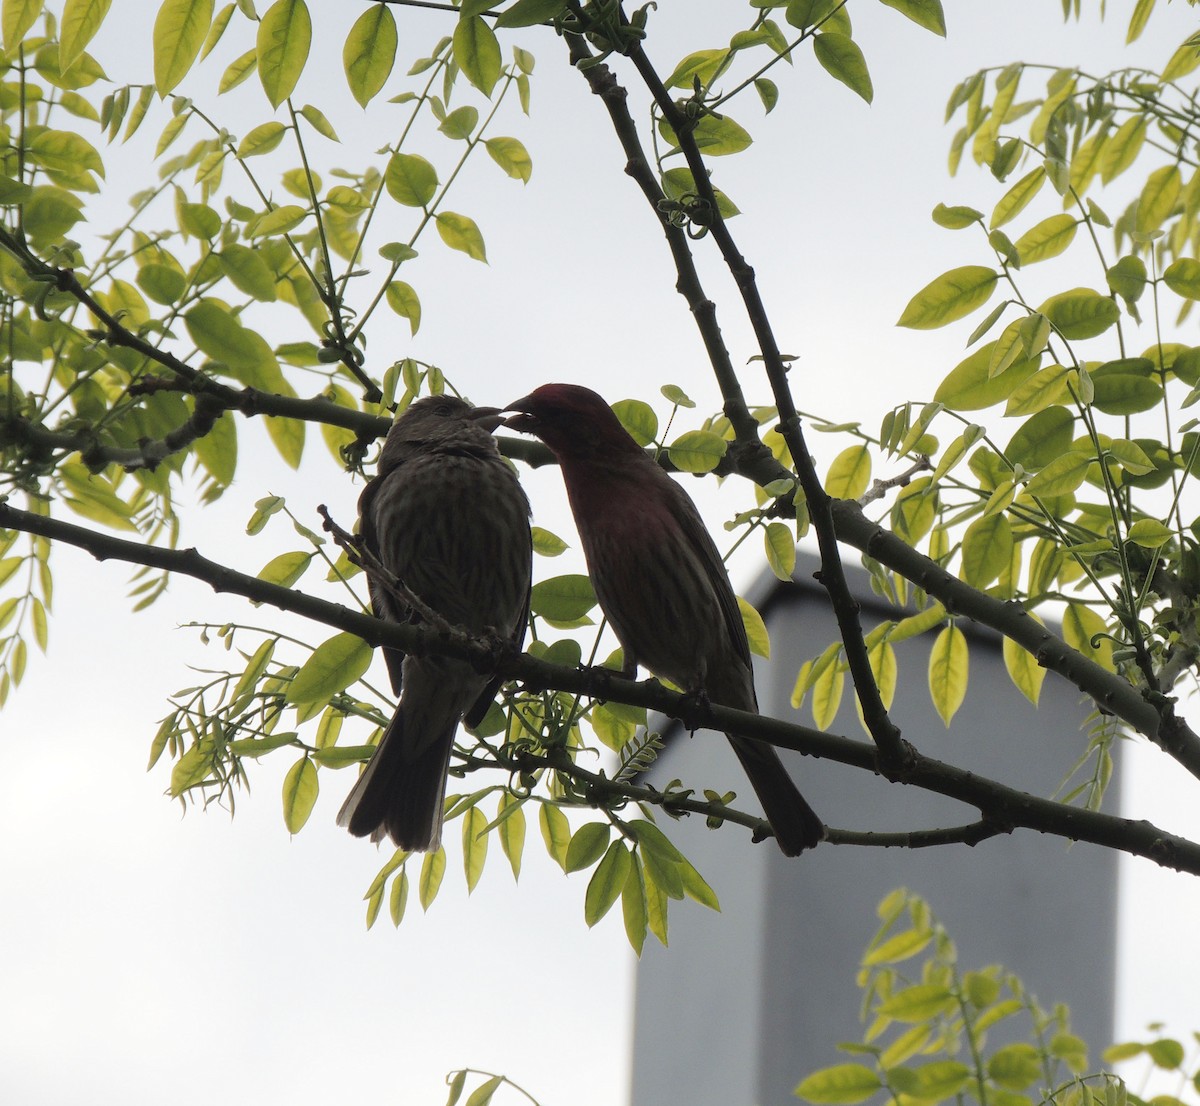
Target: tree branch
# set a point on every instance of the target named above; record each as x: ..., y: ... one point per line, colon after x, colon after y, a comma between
x: 1000, y: 806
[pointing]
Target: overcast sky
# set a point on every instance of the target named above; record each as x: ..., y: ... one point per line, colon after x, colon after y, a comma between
x: 147, y: 954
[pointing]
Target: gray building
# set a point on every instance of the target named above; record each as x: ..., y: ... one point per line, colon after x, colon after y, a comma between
x: 745, y: 1003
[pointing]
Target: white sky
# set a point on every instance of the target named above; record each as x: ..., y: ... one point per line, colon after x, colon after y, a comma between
x: 143, y: 953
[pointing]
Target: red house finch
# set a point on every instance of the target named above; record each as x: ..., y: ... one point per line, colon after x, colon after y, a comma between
x: 659, y: 578
x: 447, y: 516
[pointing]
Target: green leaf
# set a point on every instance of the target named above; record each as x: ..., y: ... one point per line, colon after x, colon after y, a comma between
x: 1183, y: 277
x: 1016, y: 1066
x: 948, y: 670
x: 284, y: 38
x: 262, y: 139
x: 475, y: 846
x: 402, y: 299
x: 1024, y: 671
x: 299, y: 794
x: 333, y: 666
x: 65, y: 152
x: 1080, y: 313
x: 1080, y: 625
x: 370, y: 52
x: 756, y: 629
x: 633, y: 905
x: 1047, y: 239
x: 850, y: 473
x: 562, y: 598
x: 1061, y: 477
x: 248, y: 272
x: 638, y: 418
x: 180, y: 29
x: 1042, y: 439
x: 697, y: 451
x: 949, y: 297
x: 485, y: 1092
x: 1122, y: 147
x: 286, y: 568
x: 477, y: 53
x: 919, y: 1002
x: 460, y: 123
x: 511, y: 155
x: 460, y: 233
x: 1150, y: 533
x: 956, y: 218
x: 840, y: 1085
x: 588, y: 844
x: 1126, y: 387
x: 398, y: 899
x: 411, y: 180
x: 924, y: 13
x: 1127, y: 277
x: 780, y: 545
x: 433, y: 869
x: 720, y: 137
x: 17, y: 17
x: 1158, y: 199
x: 81, y: 19
x: 703, y: 65
x: 1015, y: 200
x: 528, y: 13
x: 511, y: 817
x: 556, y: 833
x: 841, y: 58
x: 987, y: 550
x: 546, y: 544
x: 607, y: 883
x: 971, y: 387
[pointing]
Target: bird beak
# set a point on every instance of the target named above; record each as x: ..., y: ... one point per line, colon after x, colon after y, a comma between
x: 487, y: 417
x: 524, y: 421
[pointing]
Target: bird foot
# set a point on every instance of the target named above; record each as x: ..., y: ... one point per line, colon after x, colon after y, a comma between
x: 695, y: 711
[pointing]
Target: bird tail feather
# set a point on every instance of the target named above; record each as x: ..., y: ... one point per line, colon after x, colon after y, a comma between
x: 401, y: 793
x: 795, y: 823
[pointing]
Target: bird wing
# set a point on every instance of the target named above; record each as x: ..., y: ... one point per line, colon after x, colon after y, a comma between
x: 382, y: 603
x: 705, y: 550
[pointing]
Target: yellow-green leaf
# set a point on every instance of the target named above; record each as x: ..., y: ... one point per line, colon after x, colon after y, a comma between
x: 948, y: 672
x: 299, y: 794
x: 951, y: 296
x: 1047, y: 239
x: 1080, y: 313
x: 477, y: 53
x: 841, y: 58
x: 284, y: 38
x: 510, y: 154
x: 780, y: 545
x: 180, y: 29
x: 556, y: 833
x: 607, y: 883
x: 698, y: 451
x: 81, y: 20
x: 433, y: 869
x: 461, y: 233
x: 1024, y: 671
x: 588, y: 844
x: 333, y: 666
x: 1150, y: 533
x: 16, y: 18
x: 475, y: 845
x: 1017, y: 198
x: 370, y: 52
x: 633, y: 905
x: 840, y: 1085
x: 924, y: 13
x: 850, y: 473
x: 756, y: 629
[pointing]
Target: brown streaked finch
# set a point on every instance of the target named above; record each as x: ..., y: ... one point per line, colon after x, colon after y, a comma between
x: 446, y: 515
x: 659, y: 579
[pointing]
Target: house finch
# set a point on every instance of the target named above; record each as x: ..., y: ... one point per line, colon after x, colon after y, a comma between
x: 446, y: 515
x: 659, y: 578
